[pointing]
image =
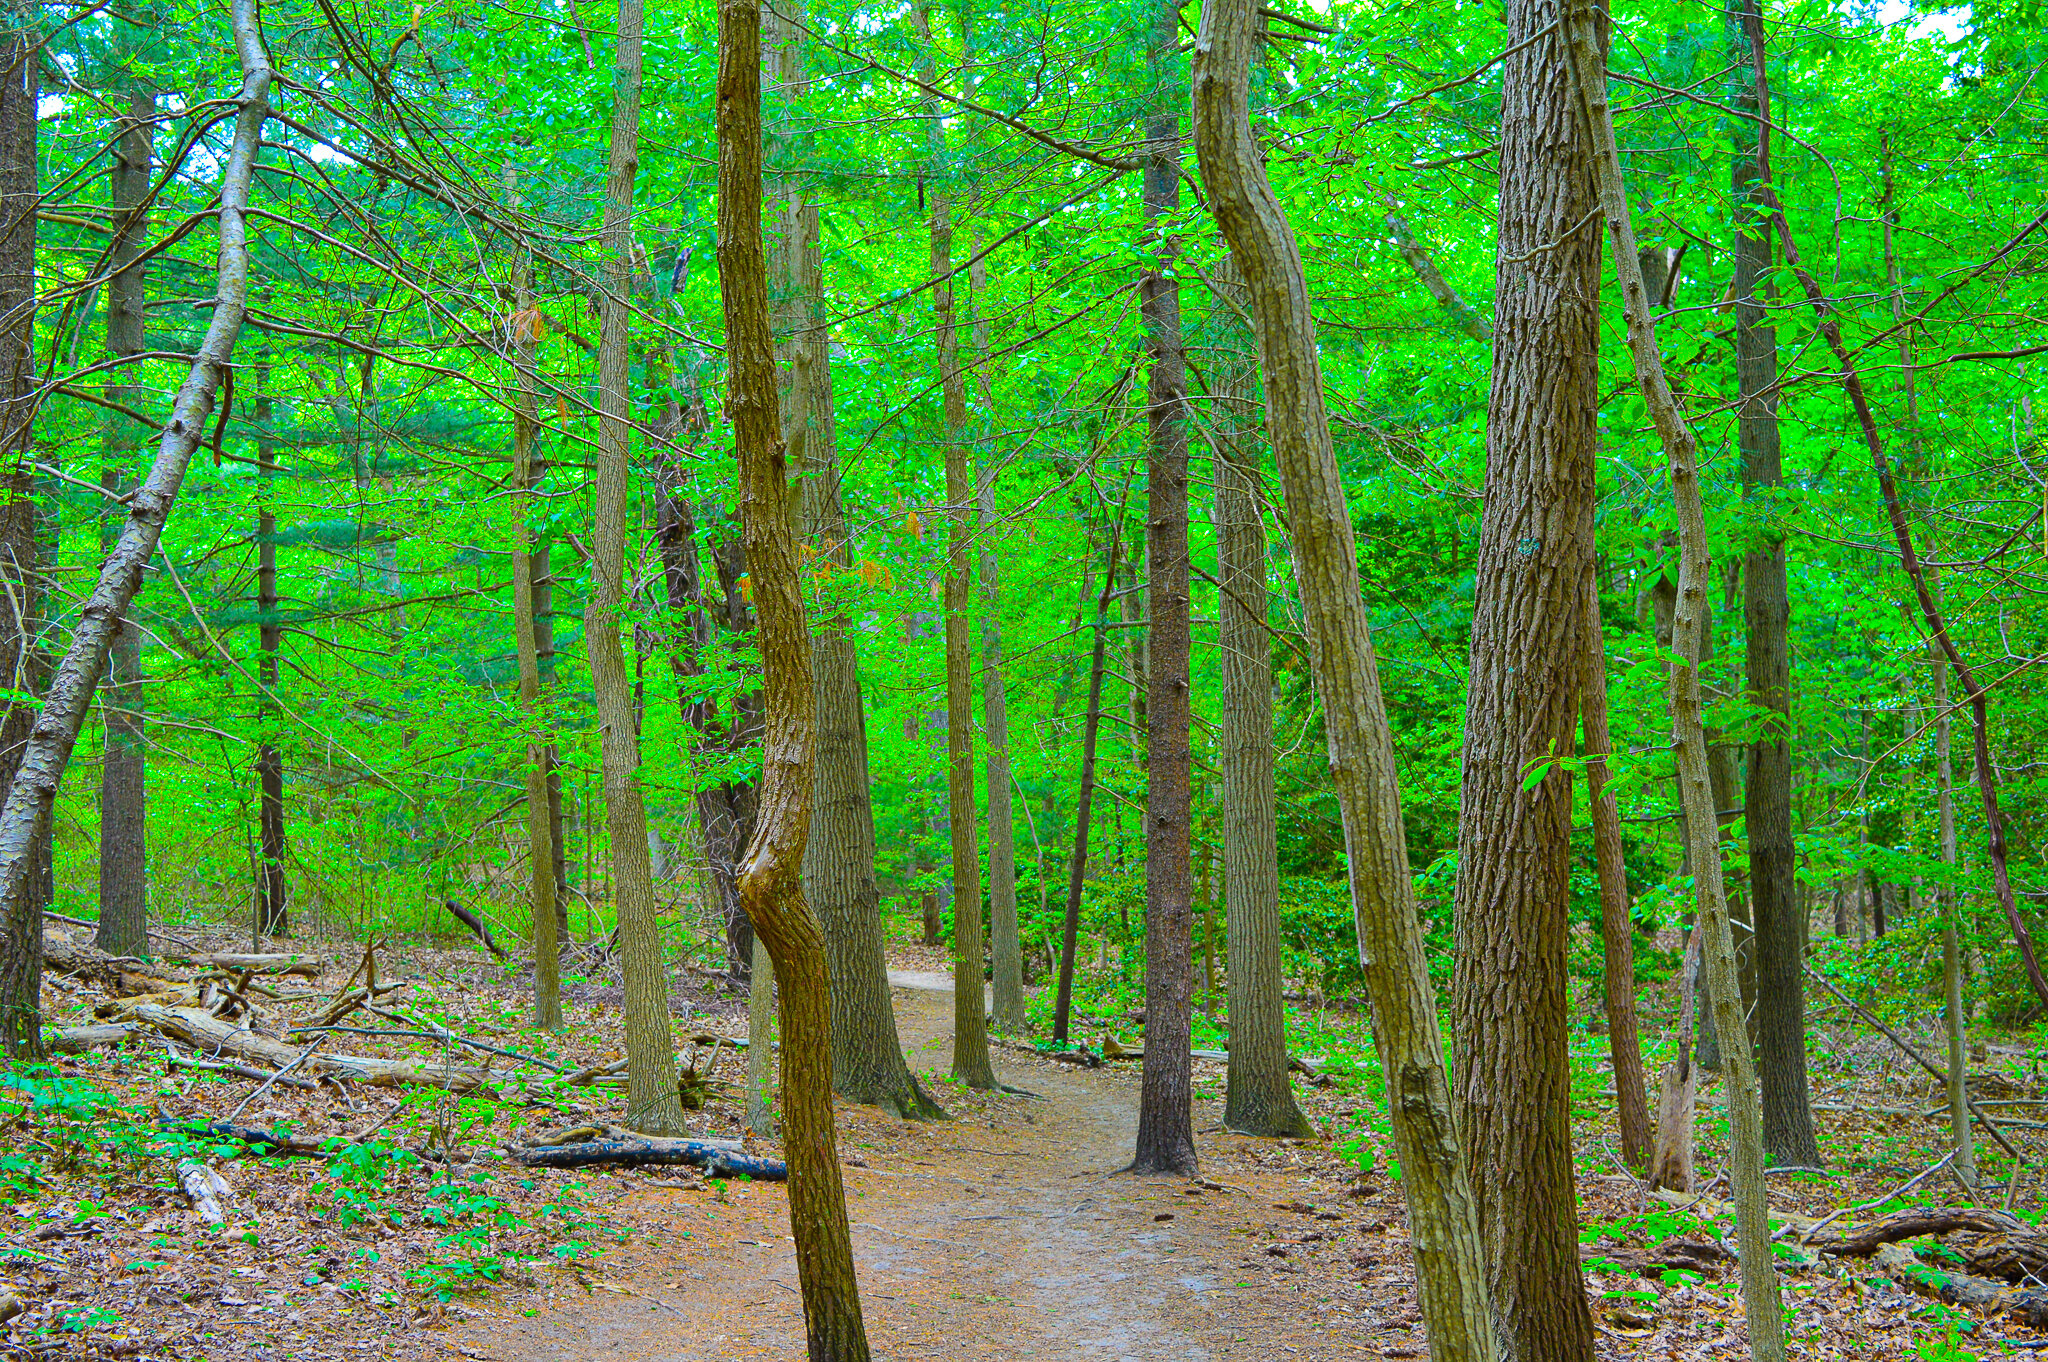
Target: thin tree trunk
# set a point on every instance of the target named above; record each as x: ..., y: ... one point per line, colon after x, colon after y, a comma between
x: 540, y: 564
x: 1450, y: 1264
x: 1617, y: 932
x: 771, y: 876
x: 273, y: 913
x: 1511, y: 991
x: 1462, y: 316
x: 32, y: 792
x: 653, y: 1103
x: 1955, y: 1018
x: 541, y: 803
x: 970, y: 1009
x: 1077, y: 867
x: 1166, y: 1130
x: 124, y: 824
x: 1779, y: 935
x: 1761, y: 1302
x: 1257, y: 1099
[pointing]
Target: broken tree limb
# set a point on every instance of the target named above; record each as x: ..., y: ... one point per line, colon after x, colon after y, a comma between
x: 1913, y: 1223
x: 94, y: 926
x: 436, y: 1031
x: 213, y: 1037
x: 476, y: 927
x: 306, y: 965
x: 77, y: 1040
x: 220, y: 1066
x: 643, y: 1150
x: 1954, y: 1288
x: 204, y: 1188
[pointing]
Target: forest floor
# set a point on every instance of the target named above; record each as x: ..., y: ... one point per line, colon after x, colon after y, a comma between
x: 1008, y: 1231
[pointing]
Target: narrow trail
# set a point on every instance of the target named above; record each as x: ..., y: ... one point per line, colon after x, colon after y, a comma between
x: 1006, y: 1233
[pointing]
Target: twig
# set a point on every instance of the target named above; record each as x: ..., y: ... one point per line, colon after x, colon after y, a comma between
x: 81, y: 922
x: 271, y: 1081
x: 1900, y: 1191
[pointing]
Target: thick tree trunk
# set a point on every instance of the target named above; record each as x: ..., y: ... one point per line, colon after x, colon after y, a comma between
x: 32, y: 792
x: 653, y: 1104
x: 1510, y: 988
x: 1450, y: 1265
x: 124, y: 824
x: 1761, y: 1302
x: 1617, y: 932
x: 771, y: 876
x: 1258, y: 1099
x: 970, y: 1009
x: 541, y: 818
x: 1779, y: 926
x: 1091, y: 728
x: 1166, y: 1130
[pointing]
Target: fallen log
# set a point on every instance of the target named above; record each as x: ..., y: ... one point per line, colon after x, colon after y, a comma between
x: 1955, y: 1288
x: 1689, y: 1255
x: 204, y: 1188
x: 1912, y: 1224
x: 77, y: 1040
x: 216, y: 1066
x: 306, y: 965
x: 213, y: 1037
x: 94, y: 926
x: 62, y: 954
x: 644, y: 1150
x: 178, y: 995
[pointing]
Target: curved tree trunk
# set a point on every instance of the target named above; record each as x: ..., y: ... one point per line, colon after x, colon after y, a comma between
x: 771, y: 874
x: 1761, y: 1301
x: 1510, y: 989
x: 1166, y: 1130
x: 1617, y: 932
x: 1258, y: 1099
x: 124, y: 824
x: 1450, y: 1266
x: 653, y: 1103
x: 32, y: 792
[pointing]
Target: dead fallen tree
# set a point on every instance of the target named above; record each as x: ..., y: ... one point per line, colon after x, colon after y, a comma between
x: 117, y: 974
x: 1688, y: 1255
x: 77, y: 1040
x: 1966, y: 1290
x: 211, y: 1037
x: 718, y: 1158
x: 1990, y: 1243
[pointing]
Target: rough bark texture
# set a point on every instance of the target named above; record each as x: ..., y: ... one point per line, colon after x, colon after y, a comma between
x: 541, y: 819
x: 124, y: 824
x: 1779, y: 925
x: 1510, y: 991
x: 1450, y: 1264
x: 1617, y: 933
x: 1258, y: 1099
x: 653, y: 1103
x: 1166, y: 1129
x: 970, y: 1011
x: 273, y: 913
x: 1077, y: 864
x: 1761, y: 1302
x: 32, y: 791
x: 771, y: 870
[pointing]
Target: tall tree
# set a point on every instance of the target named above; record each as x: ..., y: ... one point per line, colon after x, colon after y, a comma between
x: 771, y: 877
x: 1449, y: 1262
x: 1084, y: 802
x: 1258, y: 1099
x: 1779, y: 924
x: 273, y: 914
x: 1166, y: 1131
x: 124, y: 824
x: 654, y: 1103
x: 1510, y: 993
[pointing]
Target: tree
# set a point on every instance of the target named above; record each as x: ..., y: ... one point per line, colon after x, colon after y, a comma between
x: 654, y: 1104
x: 1509, y: 988
x: 771, y: 878
x: 1077, y: 862
x: 273, y: 913
x: 1450, y: 1268
x: 1779, y: 923
x: 124, y: 825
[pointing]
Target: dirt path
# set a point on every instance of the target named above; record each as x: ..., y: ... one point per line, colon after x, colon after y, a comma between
x: 1005, y: 1233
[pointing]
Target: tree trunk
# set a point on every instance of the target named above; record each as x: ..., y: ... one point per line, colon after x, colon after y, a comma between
x: 1257, y: 1099
x: 1954, y: 1017
x: 32, y: 791
x: 540, y: 565
x: 1617, y: 932
x: 543, y: 853
x: 1510, y: 989
x: 124, y: 824
x: 273, y: 914
x: 970, y: 1009
x: 653, y: 1104
x: 771, y: 876
x: 1761, y: 1302
x: 1450, y: 1266
x: 1077, y: 867
x: 1779, y: 938
x: 760, y: 1040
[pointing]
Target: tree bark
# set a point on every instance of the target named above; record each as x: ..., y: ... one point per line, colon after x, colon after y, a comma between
x: 32, y: 792
x: 1779, y: 934
x: 273, y: 913
x: 1077, y: 866
x: 653, y: 1103
x: 124, y: 822
x: 970, y: 1009
x: 1450, y: 1265
x: 771, y: 872
x: 1761, y: 1302
x: 1510, y: 987
x: 541, y: 831
x: 1258, y: 1099
x: 1166, y: 1129
x: 1617, y: 932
